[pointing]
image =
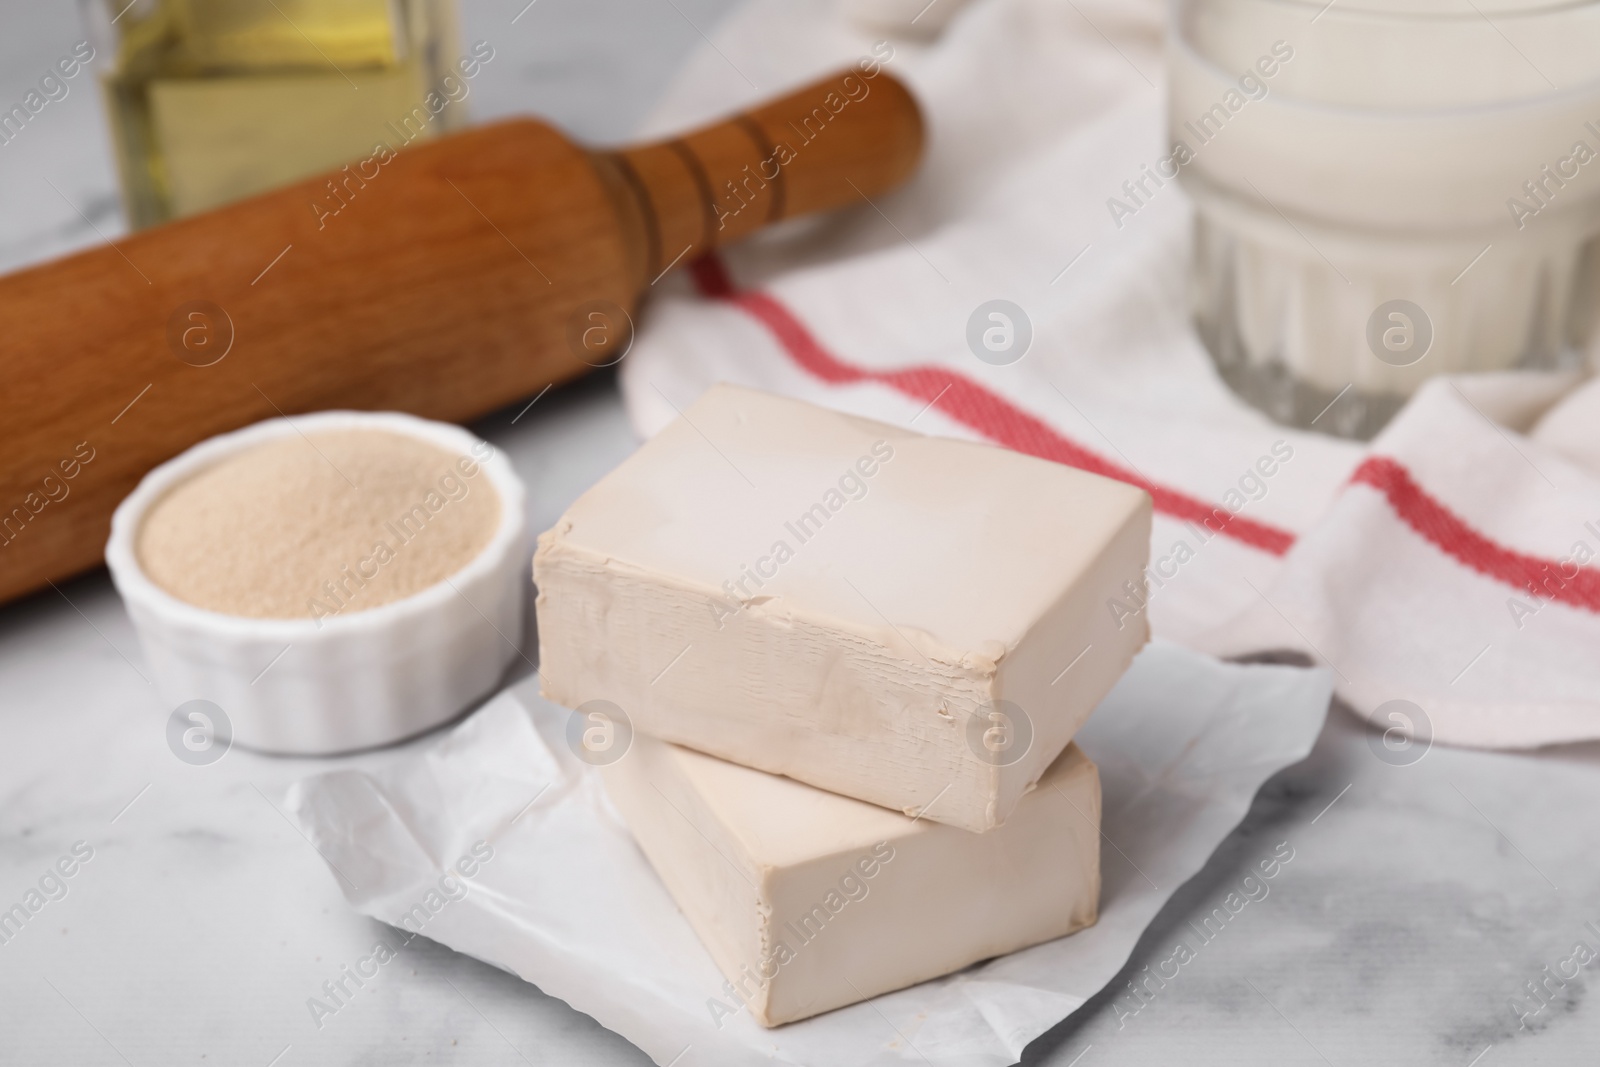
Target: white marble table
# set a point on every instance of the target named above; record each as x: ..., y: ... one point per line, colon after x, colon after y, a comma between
x: 1420, y: 901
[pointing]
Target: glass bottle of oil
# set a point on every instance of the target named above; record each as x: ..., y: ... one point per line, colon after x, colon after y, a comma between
x: 214, y: 100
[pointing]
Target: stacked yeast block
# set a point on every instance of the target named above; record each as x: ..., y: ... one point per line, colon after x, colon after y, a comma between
x: 916, y: 623
x: 809, y: 901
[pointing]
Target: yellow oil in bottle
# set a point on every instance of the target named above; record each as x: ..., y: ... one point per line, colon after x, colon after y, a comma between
x: 214, y: 100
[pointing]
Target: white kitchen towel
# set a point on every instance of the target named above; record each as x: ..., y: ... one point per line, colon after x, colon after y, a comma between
x: 1445, y: 565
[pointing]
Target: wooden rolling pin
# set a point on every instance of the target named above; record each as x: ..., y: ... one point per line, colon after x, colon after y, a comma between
x: 448, y: 280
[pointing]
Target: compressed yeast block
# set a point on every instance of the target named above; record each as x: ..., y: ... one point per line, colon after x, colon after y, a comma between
x: 809, y: 901
x: 918, y: 622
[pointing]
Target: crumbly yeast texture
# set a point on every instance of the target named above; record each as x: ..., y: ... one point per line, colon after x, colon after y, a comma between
x: 323, y: 524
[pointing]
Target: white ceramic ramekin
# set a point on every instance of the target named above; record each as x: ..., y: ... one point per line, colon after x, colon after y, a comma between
x: 360, y: 679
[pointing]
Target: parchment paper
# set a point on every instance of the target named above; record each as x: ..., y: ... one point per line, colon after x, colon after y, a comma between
x: 567, y: 902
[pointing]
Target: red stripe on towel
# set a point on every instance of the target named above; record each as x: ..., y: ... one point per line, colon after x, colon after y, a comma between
x: 977, y: 408
x: 1004, y: 423
x: 1449, y: 532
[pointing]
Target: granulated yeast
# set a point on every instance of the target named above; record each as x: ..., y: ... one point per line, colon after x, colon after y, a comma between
x: 319, y: 525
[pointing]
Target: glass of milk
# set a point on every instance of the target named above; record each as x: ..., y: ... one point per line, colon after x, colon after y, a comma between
x: 1386, y: 190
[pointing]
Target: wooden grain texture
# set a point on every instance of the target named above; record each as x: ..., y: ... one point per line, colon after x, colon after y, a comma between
x: 447, y: 281
x: 836, y: 142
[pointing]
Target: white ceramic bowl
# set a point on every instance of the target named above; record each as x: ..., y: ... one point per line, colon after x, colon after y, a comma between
x: 360, y: 679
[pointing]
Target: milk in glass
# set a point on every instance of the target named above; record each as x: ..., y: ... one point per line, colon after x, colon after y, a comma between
x: 1386, y: 191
